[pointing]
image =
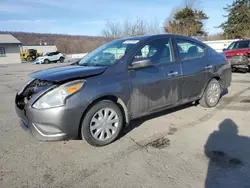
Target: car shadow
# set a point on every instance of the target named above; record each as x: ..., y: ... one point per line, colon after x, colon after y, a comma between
x: 228, y: 154
x: 138, y: 122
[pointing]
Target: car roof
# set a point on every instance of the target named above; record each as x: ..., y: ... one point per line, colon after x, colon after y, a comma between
x: 245, y: 40
x: 149, y: 37
x: 142, y: 37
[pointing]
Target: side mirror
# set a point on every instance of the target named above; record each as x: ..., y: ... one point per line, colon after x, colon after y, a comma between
x: 224, y: 49
x: 141, y: 64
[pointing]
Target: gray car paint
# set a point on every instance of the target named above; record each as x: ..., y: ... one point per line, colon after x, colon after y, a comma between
x: 138, y: 92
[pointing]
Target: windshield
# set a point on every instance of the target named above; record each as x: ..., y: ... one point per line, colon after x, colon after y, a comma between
x: 232, y: 46
x: 108, y: 54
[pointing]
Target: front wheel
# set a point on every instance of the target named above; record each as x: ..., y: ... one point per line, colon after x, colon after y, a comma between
x: 212, y: 94
x: 46, y: 61
x: 102, y: 123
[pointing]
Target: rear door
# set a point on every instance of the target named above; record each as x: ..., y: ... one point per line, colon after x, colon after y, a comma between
x: 55, y: 56
x: 194, y: 65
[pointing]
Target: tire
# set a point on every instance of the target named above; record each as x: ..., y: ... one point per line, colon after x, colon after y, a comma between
x: 92, y: 119
x: 46, y: 61
x: 244, y: 70
x: 29, y: 58
x: 213, y: 89
x: 61, y: 59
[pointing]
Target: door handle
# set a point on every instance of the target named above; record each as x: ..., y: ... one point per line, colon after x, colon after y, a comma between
x: 208, y: 67
x: 173, y: 74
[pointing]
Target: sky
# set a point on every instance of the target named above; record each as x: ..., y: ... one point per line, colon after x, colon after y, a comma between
x: 89, y: 17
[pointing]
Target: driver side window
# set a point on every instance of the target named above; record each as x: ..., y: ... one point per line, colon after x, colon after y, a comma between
x: 157, y: 51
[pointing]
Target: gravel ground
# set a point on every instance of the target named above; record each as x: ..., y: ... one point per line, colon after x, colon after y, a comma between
x: 186, y: 147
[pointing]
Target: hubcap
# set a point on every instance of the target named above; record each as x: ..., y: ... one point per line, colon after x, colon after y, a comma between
x: 104, y: 124
x: 213, y: 94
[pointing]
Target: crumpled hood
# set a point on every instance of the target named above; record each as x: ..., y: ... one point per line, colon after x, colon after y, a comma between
x: 64, y: 73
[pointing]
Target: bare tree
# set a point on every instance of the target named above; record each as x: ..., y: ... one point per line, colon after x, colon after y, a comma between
x: 65, y: 43
x: 113, y: 29
x: 128, y: 27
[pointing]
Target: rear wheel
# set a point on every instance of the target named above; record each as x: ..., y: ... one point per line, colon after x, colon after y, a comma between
x: 102, y: 123
x: 212, y: 94
x: 61, y: 59
x: 244, y: 70
x: 29, y: 58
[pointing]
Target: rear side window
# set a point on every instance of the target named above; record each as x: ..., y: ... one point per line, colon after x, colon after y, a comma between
x: 244, y: 44
x: 189, y: 50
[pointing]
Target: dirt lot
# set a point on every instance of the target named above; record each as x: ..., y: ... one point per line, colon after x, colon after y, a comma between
x: 186, y: 147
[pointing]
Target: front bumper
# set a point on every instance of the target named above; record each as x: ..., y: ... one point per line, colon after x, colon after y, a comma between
x: 38, y: 61
x: 55, y: 123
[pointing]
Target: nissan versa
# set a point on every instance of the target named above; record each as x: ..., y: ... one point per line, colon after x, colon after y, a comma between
x: 97, y: 96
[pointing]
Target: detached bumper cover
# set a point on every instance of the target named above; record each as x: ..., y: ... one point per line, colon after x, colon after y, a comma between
x: 239, y: 61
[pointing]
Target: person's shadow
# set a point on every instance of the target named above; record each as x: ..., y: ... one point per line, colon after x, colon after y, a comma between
x: 229, y: 158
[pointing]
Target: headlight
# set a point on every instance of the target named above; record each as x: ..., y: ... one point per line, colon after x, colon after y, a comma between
x: 57, y: 96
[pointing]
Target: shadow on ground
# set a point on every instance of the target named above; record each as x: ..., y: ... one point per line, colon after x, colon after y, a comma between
x: 138, y: 122
x: 229, y: 156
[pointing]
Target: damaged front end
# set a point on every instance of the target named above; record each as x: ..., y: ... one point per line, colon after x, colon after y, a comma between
x: 32, y: 88
x: 43, y: 111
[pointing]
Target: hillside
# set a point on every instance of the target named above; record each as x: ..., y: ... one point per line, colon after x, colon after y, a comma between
x: 65, y: 43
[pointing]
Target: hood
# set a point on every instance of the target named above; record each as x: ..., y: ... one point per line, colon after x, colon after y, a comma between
x: 64, y: 73
x: 237, y: 52
x: 42, y: 57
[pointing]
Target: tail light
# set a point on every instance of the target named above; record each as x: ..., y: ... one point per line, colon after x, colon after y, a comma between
x: 240, y: 54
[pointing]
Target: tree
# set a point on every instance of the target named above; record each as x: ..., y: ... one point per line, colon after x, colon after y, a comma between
x: 119, y: 29
x: 238, y: 21
x: 187, y: 21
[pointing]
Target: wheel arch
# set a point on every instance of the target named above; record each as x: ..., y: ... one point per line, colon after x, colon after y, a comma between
x: 218, y: 78
x: 112, y: 98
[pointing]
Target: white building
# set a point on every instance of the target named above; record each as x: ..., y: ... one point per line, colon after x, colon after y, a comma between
x: 9, y: 49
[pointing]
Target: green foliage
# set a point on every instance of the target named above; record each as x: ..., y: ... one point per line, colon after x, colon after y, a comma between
x: 238, y: 22
x: 187, y: 22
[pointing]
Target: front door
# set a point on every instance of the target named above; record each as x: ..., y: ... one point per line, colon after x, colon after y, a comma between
x: 148, y: 85
x: 193, y: 63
